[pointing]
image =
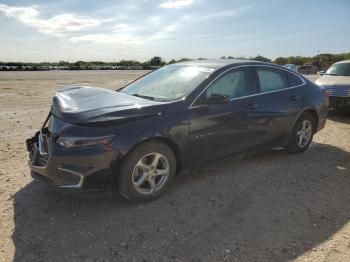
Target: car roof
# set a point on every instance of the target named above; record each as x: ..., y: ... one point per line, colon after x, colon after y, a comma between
x: 344, y: 61
x: 218, y: 63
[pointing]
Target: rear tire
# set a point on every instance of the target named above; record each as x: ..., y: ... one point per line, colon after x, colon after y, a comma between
x: 302, y: 134
x: 146, y: 172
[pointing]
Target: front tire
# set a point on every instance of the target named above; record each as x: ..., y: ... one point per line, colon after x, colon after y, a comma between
x: 146, y: 171
x: 302, y: 134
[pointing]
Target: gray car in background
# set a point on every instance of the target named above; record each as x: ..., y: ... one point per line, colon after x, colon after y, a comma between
x: 307, y: 69
x: 336, y: 81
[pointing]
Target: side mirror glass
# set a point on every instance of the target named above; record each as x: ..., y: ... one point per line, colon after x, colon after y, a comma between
x: 322, y: 73
x: 218, y: 99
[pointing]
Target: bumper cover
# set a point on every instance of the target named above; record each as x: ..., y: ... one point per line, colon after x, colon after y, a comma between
x: 85, y: 167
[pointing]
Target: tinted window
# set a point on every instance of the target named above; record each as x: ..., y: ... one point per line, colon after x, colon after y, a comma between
x: 234, y: 84
x: 293, y: 80
x: 271, y: 79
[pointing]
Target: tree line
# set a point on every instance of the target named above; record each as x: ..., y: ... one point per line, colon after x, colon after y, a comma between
x: 153, y: 63
x: 321, y: 61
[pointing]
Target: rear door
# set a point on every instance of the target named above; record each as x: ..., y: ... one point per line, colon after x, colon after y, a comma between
x: 280, y: 100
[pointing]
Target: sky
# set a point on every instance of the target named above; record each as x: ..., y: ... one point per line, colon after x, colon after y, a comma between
x: 103, y: 30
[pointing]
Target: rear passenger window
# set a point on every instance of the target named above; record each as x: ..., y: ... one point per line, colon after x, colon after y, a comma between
x: 293, y: 80
x: 271, y: 79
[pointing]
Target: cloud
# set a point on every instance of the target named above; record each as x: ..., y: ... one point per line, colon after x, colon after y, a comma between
x: 121, y: 36
x: 55, y: 25
x: 122, y: 28
x: 177, y: 4
x: 122, y: 39
x: 129, y: 34
x: 222, y: 14
x: 152, y: 29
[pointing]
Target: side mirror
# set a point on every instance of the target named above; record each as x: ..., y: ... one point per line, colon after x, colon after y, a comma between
x: 322, y: 73
x: 217, y: 99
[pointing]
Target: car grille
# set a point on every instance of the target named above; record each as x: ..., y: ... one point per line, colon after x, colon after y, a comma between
x: 340, y: 91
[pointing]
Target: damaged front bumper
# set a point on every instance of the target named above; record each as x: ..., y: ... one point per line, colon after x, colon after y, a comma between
x: 83, y: 168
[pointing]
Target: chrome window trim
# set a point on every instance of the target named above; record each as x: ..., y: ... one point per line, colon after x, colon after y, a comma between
x: 238, y: 98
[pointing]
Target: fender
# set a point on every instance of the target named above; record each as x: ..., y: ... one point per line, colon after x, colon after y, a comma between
x: 172, y: 138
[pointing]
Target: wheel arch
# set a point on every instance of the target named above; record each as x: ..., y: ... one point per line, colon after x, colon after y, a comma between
x: 165, y: 140
x: 313, y: 112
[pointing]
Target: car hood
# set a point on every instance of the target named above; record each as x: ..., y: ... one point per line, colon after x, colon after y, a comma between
x: 93, y: 105
x: 329, y: 80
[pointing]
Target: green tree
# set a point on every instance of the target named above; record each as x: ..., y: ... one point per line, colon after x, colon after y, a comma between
x: 261, y: 58
x: 183, y: 60
x: 156, y: 61
x: 281, y: 60
x: 63, y: 63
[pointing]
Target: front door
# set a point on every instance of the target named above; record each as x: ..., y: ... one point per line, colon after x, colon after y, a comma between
x: 219, y: 129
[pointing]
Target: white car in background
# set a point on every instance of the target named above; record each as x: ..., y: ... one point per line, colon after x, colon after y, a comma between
x: 336, y: 81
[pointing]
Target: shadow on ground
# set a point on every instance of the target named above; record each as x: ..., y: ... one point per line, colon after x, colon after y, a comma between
x: 267, y: 207
x: 341, y: 116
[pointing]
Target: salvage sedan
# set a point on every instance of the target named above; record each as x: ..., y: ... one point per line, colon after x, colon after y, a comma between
x: 175, y: 118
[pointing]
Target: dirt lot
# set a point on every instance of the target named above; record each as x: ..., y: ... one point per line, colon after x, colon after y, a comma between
x: 266, y: 207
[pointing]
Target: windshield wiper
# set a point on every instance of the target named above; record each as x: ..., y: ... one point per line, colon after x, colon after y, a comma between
x: 144, y: 96
x: 332, y: 74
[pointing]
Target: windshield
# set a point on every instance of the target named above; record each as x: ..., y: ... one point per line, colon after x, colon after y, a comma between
x: 342, y: 69
x: 168, y: 83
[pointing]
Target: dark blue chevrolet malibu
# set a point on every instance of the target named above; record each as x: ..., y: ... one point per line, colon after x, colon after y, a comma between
x: 174, y: 118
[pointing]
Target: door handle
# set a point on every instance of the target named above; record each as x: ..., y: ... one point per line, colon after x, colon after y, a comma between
x: 294, y: 97
x: 252, y: 107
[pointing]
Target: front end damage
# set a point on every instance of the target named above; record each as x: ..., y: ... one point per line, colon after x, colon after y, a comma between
x: 78, y: 145
x: 87, y: 167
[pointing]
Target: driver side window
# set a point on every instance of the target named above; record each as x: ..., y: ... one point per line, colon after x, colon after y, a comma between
x: 233, y: 84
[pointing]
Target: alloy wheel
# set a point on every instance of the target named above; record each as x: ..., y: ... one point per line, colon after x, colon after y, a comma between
x: 304, y: 133
x: 150, y: 173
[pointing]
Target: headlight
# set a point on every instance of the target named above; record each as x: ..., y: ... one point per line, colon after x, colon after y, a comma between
x: 69, y: 142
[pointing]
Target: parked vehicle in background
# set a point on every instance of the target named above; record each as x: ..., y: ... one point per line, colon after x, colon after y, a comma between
x: 307, y: 69
x: 336, y: 81
x: 174, y: 118
x: 291, y: 67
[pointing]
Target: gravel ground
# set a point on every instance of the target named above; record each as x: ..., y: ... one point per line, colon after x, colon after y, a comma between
x: 271, y: 206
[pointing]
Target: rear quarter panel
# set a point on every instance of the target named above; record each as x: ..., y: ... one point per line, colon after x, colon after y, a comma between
x: 315, y: 99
